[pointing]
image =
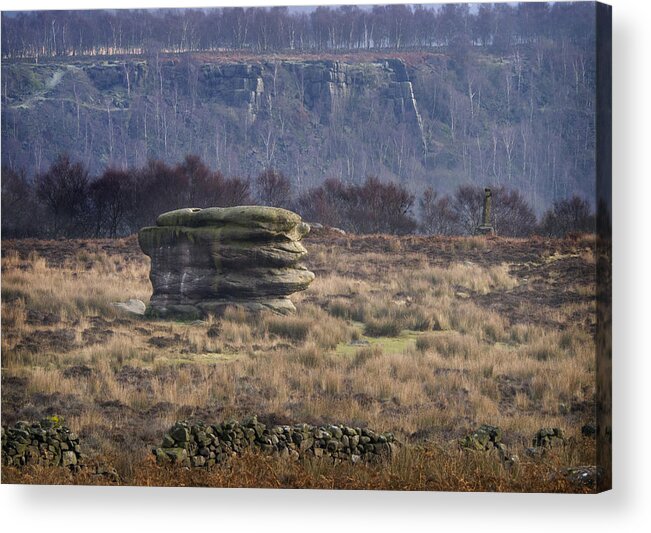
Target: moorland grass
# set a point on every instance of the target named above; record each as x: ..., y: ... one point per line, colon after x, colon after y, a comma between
x: 409, y: 351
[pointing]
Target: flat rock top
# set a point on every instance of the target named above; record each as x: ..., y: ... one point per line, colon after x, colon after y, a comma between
x: 252, y: 216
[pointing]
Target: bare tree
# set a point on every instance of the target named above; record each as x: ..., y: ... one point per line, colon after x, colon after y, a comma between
x: 568, y: 216
x: 273, y: 188
x: 19, y: 207
x: 466, y: 204
x: 512, y: 215
x: 63, y: 190
x: 111, y: 200
x: 372, y: 207
x: 436, y: 214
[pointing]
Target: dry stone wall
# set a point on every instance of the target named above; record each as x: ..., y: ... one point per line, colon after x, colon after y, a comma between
x: 197, y: 444
x: 45, y: 443
x: 202, y: 445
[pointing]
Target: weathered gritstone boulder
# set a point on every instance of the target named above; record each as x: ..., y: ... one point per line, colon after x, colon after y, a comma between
x: 202, y: 445
x: 45, y: 443
x: 203, y: 260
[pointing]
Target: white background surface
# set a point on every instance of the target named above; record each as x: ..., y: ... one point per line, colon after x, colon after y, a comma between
x: 626, y: 508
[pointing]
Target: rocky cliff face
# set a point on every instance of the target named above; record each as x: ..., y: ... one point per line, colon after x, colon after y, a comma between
x: 424, y: 120
x: 325, y: 85
x: 322, y: 86
x: 143, y: 100
x: 238, y: 85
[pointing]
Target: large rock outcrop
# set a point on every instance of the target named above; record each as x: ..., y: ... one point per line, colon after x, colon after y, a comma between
x: 203, y: 260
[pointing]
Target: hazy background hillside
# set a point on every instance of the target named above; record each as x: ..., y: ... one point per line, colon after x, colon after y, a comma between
x: 500, y: 95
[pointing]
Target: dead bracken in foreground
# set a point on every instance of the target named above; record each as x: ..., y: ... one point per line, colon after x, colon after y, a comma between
x: 413, y: 469
x: 423, y: 337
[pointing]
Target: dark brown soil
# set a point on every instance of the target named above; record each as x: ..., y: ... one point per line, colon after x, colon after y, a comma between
x: 63, y: 340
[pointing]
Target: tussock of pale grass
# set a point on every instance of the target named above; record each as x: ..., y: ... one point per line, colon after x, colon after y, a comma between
x: 199, y: 341
x: 426, y: 343
x: 385, y: 316
x: 328, y: 333
x: 333, y: 285
x: 363, y: 355
x: 484, y: 407
x: 451, y: 345
x: 382, y: 327
x: 310, y: 355
x: 426, y: 300
x: 238, y: 314
x: 471, y: 277
x: 524, y: 333
x: 14, y: 315
x: 293, y: 328
x: 238, y: 335
x: 118, y: 351
x: 469, y: 243
x: 468, y: 318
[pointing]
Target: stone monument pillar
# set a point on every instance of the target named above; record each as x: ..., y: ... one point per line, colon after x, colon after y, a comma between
x: 485, y: 228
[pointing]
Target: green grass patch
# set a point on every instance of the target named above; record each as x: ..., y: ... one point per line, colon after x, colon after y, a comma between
x: 389, y: 345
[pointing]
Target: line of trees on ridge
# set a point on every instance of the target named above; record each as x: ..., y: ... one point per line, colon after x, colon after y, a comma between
x: 499, y: 26
x: 65, y: 201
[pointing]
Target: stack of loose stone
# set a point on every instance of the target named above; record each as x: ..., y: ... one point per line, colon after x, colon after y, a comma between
x: 46, y: 443
x: 205, y: 445
x: 489, y: 438
x: 549, y: 438
x: 485, y: 438
x: 544, y: 440
x: 203, y: 260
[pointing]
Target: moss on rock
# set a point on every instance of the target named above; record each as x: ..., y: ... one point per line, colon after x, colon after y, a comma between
x: 249, y: 216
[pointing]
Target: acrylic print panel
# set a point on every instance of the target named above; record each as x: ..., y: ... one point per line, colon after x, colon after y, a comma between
x: 323, y: 247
